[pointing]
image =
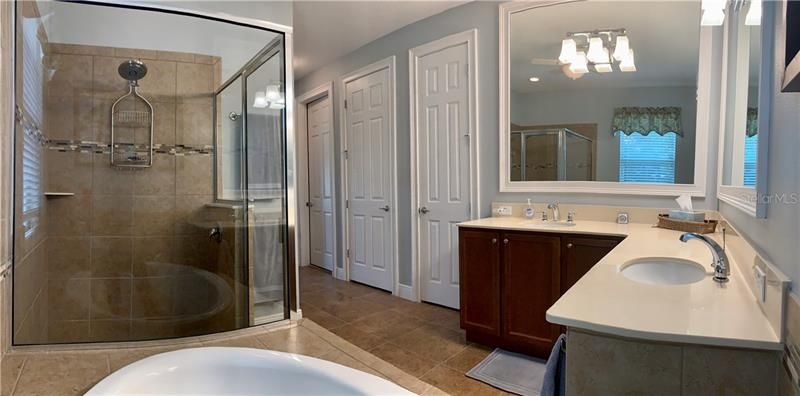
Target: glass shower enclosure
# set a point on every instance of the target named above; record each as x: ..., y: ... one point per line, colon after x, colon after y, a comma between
x: 558, y: 154
x: 150, y: 174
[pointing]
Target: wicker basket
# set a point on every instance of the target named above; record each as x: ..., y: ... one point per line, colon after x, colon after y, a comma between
x: 704, y: 227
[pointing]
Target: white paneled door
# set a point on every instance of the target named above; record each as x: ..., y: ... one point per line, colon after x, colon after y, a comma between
x: 369, y: 161
x: 320, y: 183
x: 443, y: 167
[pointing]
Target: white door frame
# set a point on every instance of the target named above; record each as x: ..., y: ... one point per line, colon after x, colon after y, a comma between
x: 470, y: 37
x: 389, y: 64
x: 303, y: 230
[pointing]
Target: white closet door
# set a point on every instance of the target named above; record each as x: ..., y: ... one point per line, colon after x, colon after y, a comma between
x: 442, y: 106
x: 369, y: 144
x: 320, y: 180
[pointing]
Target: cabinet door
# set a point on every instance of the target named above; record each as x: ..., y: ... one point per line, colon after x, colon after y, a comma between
x: 580, y: 255
x: 531, y: 279
x: 479, y: 275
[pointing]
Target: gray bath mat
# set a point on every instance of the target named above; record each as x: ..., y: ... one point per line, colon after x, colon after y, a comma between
x: 511, y: 372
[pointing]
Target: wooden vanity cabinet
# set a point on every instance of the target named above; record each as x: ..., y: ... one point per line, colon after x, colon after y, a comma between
x: 509, y: 279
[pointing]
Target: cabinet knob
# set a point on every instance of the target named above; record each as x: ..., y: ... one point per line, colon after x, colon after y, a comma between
x: 569, y: 246
x: 494, y: 241
x: 505, y: 241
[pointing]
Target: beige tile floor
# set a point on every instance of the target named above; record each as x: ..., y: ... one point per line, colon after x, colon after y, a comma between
x: 73, y: 372
x: 424, y: 340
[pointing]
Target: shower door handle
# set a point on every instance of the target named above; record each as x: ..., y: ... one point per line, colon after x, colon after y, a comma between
x: 385, y: 208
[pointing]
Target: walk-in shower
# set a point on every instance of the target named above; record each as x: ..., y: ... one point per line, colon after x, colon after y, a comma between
x: 151, y: 174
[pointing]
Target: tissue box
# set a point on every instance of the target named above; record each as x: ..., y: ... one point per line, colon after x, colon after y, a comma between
x: 678, y: 214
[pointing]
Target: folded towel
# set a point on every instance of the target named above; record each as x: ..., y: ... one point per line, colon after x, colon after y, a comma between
x: 555, y: 370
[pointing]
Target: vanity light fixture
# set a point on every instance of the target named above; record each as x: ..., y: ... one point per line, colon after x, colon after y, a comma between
x: 273, y: 92
x: 580, y: 64
x: 622, y: 48
x: 260, y: 101
x: 568, y: 51
x: 603, y: 68
x: 753, y: 17
x: 713, y: 12
x: 597, y: 53
x: 534, y: 79
x: 627, y: 64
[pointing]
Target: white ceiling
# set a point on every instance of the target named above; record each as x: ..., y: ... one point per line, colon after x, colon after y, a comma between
x: 327, y: 30
x: 664, y: 36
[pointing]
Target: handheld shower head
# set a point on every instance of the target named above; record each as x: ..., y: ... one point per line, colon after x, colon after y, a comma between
x: 132, y: 70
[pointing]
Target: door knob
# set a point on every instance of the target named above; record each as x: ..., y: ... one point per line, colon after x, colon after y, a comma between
x: 423, y: 210
x: 385, y: 208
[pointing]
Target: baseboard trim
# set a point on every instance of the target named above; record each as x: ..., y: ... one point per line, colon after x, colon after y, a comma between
x: 406, y: 292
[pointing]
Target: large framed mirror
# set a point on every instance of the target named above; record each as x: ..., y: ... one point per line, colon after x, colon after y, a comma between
x: 745, y: 97
x: 600, y: 97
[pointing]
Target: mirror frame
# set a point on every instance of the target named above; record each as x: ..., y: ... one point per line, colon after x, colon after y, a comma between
x: 708, y: 41
x: 747, y: 199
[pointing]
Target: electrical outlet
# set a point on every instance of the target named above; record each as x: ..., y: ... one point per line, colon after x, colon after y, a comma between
x: 760, y: 279
x: 503, y: 211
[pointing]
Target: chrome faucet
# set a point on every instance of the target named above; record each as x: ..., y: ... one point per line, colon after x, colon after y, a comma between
x: 554, y: 207
x: 721, y: 265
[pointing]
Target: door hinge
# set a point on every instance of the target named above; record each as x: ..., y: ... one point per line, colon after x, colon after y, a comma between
x: 345, y: 103
x: 347, y: 204
x: 346, y: 154
x: 466, y: 69
x: 347, y: 253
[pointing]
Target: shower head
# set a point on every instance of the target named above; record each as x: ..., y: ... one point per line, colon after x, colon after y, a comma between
x: 132, y: 70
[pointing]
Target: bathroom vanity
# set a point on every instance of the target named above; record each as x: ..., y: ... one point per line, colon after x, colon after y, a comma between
x: 525, y: 282
x: 509, y: 278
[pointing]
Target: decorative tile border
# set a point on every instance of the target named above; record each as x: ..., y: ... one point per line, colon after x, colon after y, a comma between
x: 105, y: 148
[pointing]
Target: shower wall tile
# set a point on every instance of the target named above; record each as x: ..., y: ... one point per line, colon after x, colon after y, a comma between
x: 164, y: 125
x: 111, y: 299
x: 205, y: 59
x: 195, y: 251
x: 71, y: 75
x: 68, y: 117
x: 70, y: 216
x: 69, y: 172
x: 187, y: 208
x: 101, y: 118
x: 159, y: 179
x: 106, y: 82
x: 69, y: 299
x: 159, y: 83
x: 153, y: 215
x: 68, y: 257
x: 109, y: 330
x: 135, y: 53
x: 153, y: 256
x: 112, y: 215
x: 194, y: 82
x: 108, y: 179
x: 194, y: 123
x: 175, y: 56
x: 153, y: 297
x: 112, y: 257
x: 193, y: 175
x: 74, y: 49
x: 68, y: 331
x: 31, y: 272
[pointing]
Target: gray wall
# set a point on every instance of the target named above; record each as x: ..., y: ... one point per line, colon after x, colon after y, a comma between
x: 776, y: 237
x: 484, y: 16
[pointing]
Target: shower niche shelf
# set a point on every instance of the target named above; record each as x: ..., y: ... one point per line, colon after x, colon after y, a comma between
x: 58, y: 194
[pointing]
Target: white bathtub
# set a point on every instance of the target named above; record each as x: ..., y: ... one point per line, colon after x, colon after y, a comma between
x: 240, y: 371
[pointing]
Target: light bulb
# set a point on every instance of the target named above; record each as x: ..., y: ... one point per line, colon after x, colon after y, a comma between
x: 753, y: 17
x: 627, y: 64
x: 568, y: 51
x: 273, y: 92
x: 260, y: 100
x: 534, y: 79
x: 579, y: 64
x: 603, y: 68
x: 621, y: 48
x: 713, y: 12
x: 596, y: 53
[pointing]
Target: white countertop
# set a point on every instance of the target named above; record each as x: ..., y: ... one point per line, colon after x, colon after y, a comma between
x: 603, y: 300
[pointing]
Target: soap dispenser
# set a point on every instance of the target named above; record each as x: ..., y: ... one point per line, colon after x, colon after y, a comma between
x: 529, y: 210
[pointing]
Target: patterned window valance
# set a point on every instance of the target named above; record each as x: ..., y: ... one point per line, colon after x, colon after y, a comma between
x: 752, y: 121
x: 644, y: 120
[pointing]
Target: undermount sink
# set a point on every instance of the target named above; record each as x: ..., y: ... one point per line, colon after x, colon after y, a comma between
x: 663, y: 271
